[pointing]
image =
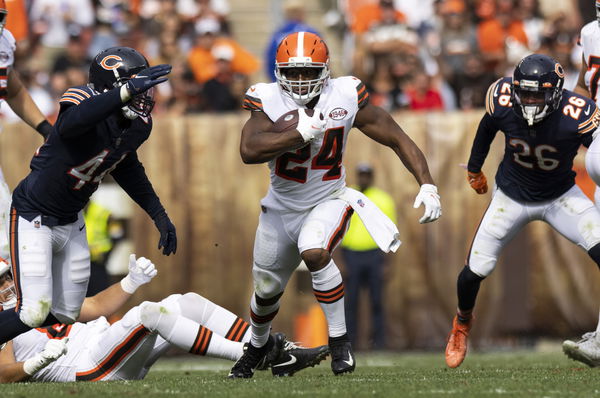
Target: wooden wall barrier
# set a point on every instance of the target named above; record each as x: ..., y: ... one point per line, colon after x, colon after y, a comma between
x: 543, y: 286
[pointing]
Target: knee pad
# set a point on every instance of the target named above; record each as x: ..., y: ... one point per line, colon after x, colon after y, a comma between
x: 155, y: 316
x: 594, y: 253
x: 194, y: 306
x: 266, y: 284
x: 34, y: 314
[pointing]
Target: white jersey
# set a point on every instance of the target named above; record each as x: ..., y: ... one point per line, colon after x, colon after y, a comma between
x: 64, y: 368
x: 7, y: 58
x: 302, y: 179
x: 590, y: 42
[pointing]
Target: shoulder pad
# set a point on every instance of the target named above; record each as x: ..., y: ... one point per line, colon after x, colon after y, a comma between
x: 253, y: 99
x: 10, y: 39
x: 582, y: 110
x: 498, y: 96
x: 354, y: 86
x: 76, y: 95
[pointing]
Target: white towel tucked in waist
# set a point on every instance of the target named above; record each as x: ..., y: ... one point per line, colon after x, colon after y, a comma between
x: 383, y: 231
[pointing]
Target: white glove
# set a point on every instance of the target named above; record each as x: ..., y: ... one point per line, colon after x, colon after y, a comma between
x: 53, y: 350
x: 429, y: 197
x: 141, y: 271
x: 310, y: 127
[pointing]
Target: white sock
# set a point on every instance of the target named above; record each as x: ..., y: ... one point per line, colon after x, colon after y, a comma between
x: 199, y: 340
x: 221, y: 321
x: 328, y: 288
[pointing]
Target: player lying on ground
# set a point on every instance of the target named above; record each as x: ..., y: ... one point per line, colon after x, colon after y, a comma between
x: 544, y: 126
x: 96, y: 350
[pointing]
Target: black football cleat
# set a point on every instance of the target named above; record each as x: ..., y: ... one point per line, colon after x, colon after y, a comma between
x: 250, y: 360
x: 342, y: 357
x: 289, y: 358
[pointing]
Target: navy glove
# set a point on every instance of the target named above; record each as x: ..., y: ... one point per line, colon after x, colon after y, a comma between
x: 147, y: 79
x: 168, y: 236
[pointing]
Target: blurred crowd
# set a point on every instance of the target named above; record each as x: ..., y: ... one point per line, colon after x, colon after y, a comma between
x: 443, y: 54
x: 412, y: 54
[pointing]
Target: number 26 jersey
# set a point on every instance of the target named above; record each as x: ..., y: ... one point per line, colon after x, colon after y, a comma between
x: 538, y: 159
x: 303, y: 178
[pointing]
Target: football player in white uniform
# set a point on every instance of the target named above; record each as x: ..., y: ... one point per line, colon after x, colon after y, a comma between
x: 587, y: 349
x: 125, y: 350
x: 14, y: 93
x: 306, y: 211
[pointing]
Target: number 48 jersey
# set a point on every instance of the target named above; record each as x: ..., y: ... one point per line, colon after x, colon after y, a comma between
x: 303, y: 178
x: 538, y: 159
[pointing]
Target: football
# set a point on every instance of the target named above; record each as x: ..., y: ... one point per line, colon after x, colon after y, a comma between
x: 289, y: 120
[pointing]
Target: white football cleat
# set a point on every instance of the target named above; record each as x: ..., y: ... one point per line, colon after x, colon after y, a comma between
x: 586, y: 350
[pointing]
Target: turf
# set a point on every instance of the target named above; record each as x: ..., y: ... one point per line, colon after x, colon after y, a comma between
x: 514, y: 374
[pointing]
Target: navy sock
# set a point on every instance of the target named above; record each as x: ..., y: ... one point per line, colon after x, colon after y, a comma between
x: 11, y: 326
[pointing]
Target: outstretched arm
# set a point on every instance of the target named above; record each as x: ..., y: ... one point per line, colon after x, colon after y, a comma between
x: 111, y: 299
x: 20, y: 102
x: 379, y: 126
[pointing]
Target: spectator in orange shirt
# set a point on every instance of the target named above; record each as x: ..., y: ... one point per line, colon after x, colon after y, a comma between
x: 495, y: 34
x: 371, y: 14
x: 202, y: 62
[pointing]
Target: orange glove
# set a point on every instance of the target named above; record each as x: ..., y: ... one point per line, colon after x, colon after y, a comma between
x: 478, y: 182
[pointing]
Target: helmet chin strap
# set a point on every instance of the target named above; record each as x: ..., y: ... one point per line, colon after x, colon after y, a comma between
x: 531, y: 114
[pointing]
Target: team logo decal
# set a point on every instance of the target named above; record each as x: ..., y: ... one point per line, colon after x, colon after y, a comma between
x: 338, y: 114
x: 111, y: 62
x: 4, y: 57
x: 559, y: 70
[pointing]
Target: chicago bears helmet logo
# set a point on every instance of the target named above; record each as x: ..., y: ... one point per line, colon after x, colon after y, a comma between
x: 559, y: 70
x: 111, y: 62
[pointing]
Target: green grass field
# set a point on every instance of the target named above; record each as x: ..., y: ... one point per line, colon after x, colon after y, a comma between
x: 514, y: 374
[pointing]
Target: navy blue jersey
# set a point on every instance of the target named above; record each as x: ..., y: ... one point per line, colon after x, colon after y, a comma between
x: 90, y: 139
x: 538, y: 159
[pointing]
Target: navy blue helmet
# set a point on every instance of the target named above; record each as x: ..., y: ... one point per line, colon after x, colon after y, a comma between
x: 537, y: 87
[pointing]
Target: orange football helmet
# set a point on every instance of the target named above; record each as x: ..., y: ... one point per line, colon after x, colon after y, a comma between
x: 302, y: 66
x: 3, y: 14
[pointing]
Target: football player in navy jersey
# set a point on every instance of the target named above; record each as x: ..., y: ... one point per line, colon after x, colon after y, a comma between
x: 543, y: 125
x: 99, y: 128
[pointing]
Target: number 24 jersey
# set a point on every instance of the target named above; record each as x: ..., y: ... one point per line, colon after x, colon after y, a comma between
x: 303, y: 178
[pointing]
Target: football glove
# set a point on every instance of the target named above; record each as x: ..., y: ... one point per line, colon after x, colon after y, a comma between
x: 147, y: 79
x: 168, y: 235
x: 53, y: 350
x: 141, y: 271
x: 429, y: 197
x: 310, y: 127
x: 478, y: 182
